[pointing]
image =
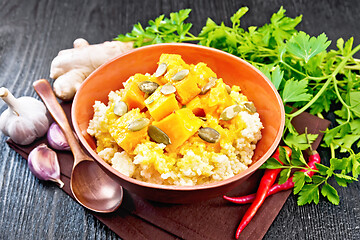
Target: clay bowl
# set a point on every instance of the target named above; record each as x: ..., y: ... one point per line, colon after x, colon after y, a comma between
x: 233, y: 70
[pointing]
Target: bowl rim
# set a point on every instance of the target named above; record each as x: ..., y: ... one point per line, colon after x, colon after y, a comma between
x: 251, y: 169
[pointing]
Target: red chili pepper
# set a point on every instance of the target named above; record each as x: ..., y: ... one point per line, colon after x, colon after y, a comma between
x: 314, y: 157
x: 266, y: 182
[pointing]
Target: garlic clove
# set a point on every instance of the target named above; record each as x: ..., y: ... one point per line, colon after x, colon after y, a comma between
x: 43, y: 163
x: 56, y: 138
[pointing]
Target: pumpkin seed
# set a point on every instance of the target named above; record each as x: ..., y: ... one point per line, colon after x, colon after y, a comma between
x: 138, y: 124
x: 230, y: 112
x: 157, y: 135
x: 180, y: 75
x: 203, y: 118
x: 228, y: 88
x: 211, y: 83
x: 250, y: 107
x: 120, y: 108
x: 168, y: 89
x: 209, y: 134
x: 161, y: 70
x: 148, y: 86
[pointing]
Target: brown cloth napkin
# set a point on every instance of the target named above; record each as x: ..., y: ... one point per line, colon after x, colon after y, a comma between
x: 138, y: 218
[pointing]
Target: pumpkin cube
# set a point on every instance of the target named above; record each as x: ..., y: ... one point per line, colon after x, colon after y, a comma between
x: 133, y: 96
x: 172, y: 60
x: 196, y: 107
x: 160, y: 105
x: 174, y: 64
x: 203, y: 72
x: 217, y: 99
x: 179, y: 126
x: 187, y: 89
x: 117, y: 126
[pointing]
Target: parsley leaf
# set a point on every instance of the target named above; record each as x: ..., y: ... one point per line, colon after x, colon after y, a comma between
x: 280, y: 28
x: 179, y: 17
x: 301, y: 45
x: 295, y: 91
x: 330, y: 193
x: 355, y: 167
x: 324, y: 102
x: 274, y: 74
x: 283, y: 156
x: 343, y: 179
x: 235, y: 19
x: 271, y: 163
x: 318, y: 179
x: 297, y: 158
x: 345, y: 49
x: 338, y: 164
x: 346, y: 142
x: 284, y: 175
x: 277, y: 76
x: 355, y: 102
x: 336, y: 132
x: 300, y: 141
x: 323, y: 170
x: 309, y: 193
x: 299, y: 181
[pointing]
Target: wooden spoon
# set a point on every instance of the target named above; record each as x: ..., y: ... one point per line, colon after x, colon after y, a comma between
x: 90, y: 185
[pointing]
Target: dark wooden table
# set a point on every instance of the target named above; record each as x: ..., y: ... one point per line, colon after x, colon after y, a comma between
x: 33, y: 31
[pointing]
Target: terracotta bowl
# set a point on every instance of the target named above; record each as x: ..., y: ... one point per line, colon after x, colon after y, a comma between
x: 233, y: 70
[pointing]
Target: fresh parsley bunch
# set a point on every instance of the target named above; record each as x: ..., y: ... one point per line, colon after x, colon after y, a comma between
x: 307, y: 76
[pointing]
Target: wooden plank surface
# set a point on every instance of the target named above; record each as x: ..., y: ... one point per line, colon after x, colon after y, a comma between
x: 31, y: 34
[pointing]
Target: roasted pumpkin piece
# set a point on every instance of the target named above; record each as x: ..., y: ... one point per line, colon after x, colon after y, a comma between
x: 217, y: 99
x: 160, y: 105
x: 187, y: 89
x: 203, y: 72
x: 174, y: 65
x: 219, y: 95
x: 125, y: 138
x: 196, y: 107
x: 179, y: 126
x: 172, y: 60
x: 133, y: 97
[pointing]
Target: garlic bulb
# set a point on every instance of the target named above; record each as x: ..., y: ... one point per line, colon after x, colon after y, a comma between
x: 43, y: 163
x: 24, y: 120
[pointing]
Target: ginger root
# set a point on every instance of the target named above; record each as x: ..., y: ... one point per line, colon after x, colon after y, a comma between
x: 72, y: 66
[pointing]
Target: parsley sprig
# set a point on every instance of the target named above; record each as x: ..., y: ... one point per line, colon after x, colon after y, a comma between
x: 161, y: 30
x: 307, y: 76
x: 309, y: 188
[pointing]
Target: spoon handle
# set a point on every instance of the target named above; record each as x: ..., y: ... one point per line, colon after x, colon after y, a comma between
x: 44, y: 90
